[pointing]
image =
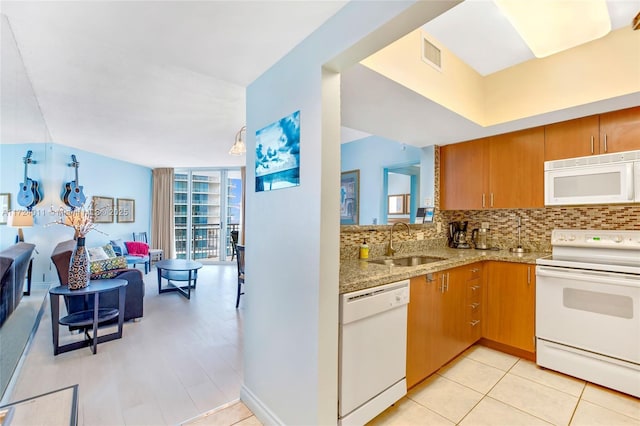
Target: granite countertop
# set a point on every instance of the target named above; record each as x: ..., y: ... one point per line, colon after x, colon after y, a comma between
x: 359, y: 274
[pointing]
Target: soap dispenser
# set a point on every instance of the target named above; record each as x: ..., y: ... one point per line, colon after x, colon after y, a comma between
x: 364, y: 250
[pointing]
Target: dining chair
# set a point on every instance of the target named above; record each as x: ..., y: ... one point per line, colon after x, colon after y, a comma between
x: 240, y: 260
x: 154, y: 254
x: 234, y: 242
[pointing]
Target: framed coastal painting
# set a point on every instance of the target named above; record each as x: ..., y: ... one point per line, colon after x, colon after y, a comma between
x: 278, y: 154
x: 126, y: 210
x: 102, y: 209
x: 350, y: 197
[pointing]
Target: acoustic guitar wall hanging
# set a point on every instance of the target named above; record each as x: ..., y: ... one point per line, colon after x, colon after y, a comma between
x: 73, y: 195
x: 29, y: 194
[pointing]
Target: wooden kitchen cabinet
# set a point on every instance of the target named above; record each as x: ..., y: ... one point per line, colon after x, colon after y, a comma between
x: 510, y: 305
x: 503, y: 171
x: 516, y: 169
x: 464, y: 179
x: 620, y: 130
x: 440, y: 319
x: 573, y: 138
x: 424, y: 325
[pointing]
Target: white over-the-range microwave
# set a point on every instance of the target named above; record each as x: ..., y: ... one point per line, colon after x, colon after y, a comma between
x: 596, y: 179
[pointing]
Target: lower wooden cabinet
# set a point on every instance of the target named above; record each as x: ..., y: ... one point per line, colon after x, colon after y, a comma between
x: 510, y: 305
x: 444, y: 314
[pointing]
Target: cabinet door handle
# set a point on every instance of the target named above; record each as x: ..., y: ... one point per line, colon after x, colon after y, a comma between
x: 474, y: 305
x: 442, y: 283
x: 483, y: 203
x: 592, y: 144
x: 528, y: 275
x: 605, y: 143
x: 447, y: 281
x: 474, y: 270
x: 492, y: 199
x: 474, y: 323
x: 475, y: 287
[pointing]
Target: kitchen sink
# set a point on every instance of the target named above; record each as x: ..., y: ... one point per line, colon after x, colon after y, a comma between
x: 407, y: 261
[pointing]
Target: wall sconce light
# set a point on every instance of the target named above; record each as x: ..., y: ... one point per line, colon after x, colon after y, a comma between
x: 239, y: 147
x: 20, y: 219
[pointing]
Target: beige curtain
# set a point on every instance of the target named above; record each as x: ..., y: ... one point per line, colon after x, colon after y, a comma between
x: 162, y: 234
x: 243, y: 176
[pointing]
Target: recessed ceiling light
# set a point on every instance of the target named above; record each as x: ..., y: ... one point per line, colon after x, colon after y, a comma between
x: 551, y: 26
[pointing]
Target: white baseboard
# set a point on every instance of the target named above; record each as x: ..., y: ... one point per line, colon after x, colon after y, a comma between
x: 266, y: 416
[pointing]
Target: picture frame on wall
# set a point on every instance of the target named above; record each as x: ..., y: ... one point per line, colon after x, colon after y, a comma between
x: 5, y: 206
x: 102, y: 209
x: 278, y: 154
x: 126, y: 210
x: 350, y: 197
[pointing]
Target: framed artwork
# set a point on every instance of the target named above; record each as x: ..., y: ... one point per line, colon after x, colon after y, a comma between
x: 5, y: 206
x: 350, y: 197
x: 278, y: 154
x: 126, y: 210
x: 102, y: 209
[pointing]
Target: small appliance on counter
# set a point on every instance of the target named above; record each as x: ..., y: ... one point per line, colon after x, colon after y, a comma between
x: 458, y: 235
x: 481, y: 238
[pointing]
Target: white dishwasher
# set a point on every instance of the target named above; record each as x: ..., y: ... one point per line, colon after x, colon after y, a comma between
x: 373, y: 348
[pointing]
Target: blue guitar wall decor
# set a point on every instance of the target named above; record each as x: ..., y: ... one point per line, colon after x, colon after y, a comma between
x: 73, y: 195
x: 29, y: 194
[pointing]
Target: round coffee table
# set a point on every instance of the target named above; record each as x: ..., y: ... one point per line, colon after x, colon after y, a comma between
x: 179, y: 270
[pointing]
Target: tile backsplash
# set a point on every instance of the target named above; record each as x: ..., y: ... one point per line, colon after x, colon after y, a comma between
x: 537, y: 225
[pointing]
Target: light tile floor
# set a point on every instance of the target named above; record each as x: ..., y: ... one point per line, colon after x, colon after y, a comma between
x: 487, y: 387
x: 182, y: 359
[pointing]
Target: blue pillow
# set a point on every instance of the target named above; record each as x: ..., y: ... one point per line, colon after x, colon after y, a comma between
x: 119, y: 247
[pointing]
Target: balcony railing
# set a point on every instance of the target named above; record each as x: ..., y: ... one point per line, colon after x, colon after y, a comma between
x: 205, y: 241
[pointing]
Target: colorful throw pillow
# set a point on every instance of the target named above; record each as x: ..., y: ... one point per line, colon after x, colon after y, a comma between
x: 97, y: 253
x: 119, y: 245
x: 101, y: 266
x: 137, y: 248
x: 108, y: 249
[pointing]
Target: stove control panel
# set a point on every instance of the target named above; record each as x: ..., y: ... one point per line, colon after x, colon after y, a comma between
x: 596, y: 238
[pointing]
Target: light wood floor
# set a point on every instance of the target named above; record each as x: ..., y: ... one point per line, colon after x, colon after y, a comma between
x: 183, y: 359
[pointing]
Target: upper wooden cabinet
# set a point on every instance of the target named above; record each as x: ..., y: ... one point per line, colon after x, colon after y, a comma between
x: 464, y: 179
x: 607, y: 133
x: 620, y: 130
x: 516, y: 169
x: 504, y: 171
x: 573, y: 138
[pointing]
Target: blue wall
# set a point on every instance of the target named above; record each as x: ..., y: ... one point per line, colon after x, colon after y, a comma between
x: 371, y: 155
x: 99, y: 175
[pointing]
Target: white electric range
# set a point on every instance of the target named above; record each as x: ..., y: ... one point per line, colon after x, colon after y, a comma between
x: 588, y: 307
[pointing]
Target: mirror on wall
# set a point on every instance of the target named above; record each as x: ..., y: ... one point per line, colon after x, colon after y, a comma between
x: 389, y: 168
x: 22, y: 123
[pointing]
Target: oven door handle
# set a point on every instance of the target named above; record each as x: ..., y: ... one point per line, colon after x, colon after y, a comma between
x: 590, y: 276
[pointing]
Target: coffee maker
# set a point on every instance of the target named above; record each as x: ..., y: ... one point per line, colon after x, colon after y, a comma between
x: 458, y: 235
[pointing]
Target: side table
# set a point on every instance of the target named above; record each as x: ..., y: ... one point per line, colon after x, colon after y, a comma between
x: 155, y: 255
x: 89, y: 318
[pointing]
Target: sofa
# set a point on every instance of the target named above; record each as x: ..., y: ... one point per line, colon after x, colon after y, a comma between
x: 134, y: 301
x: 14, y: 262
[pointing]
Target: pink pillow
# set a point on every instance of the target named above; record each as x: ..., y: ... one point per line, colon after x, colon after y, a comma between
x: 137, y: 248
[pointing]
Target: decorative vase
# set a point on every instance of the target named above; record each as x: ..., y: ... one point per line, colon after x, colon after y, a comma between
x: 79, y: 266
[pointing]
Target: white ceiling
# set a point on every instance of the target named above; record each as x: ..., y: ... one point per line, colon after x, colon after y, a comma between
x: 158, y: 83
x: 162, y: 83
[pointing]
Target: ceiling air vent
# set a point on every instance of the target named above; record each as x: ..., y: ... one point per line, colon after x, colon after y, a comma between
x: 431, y: 54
